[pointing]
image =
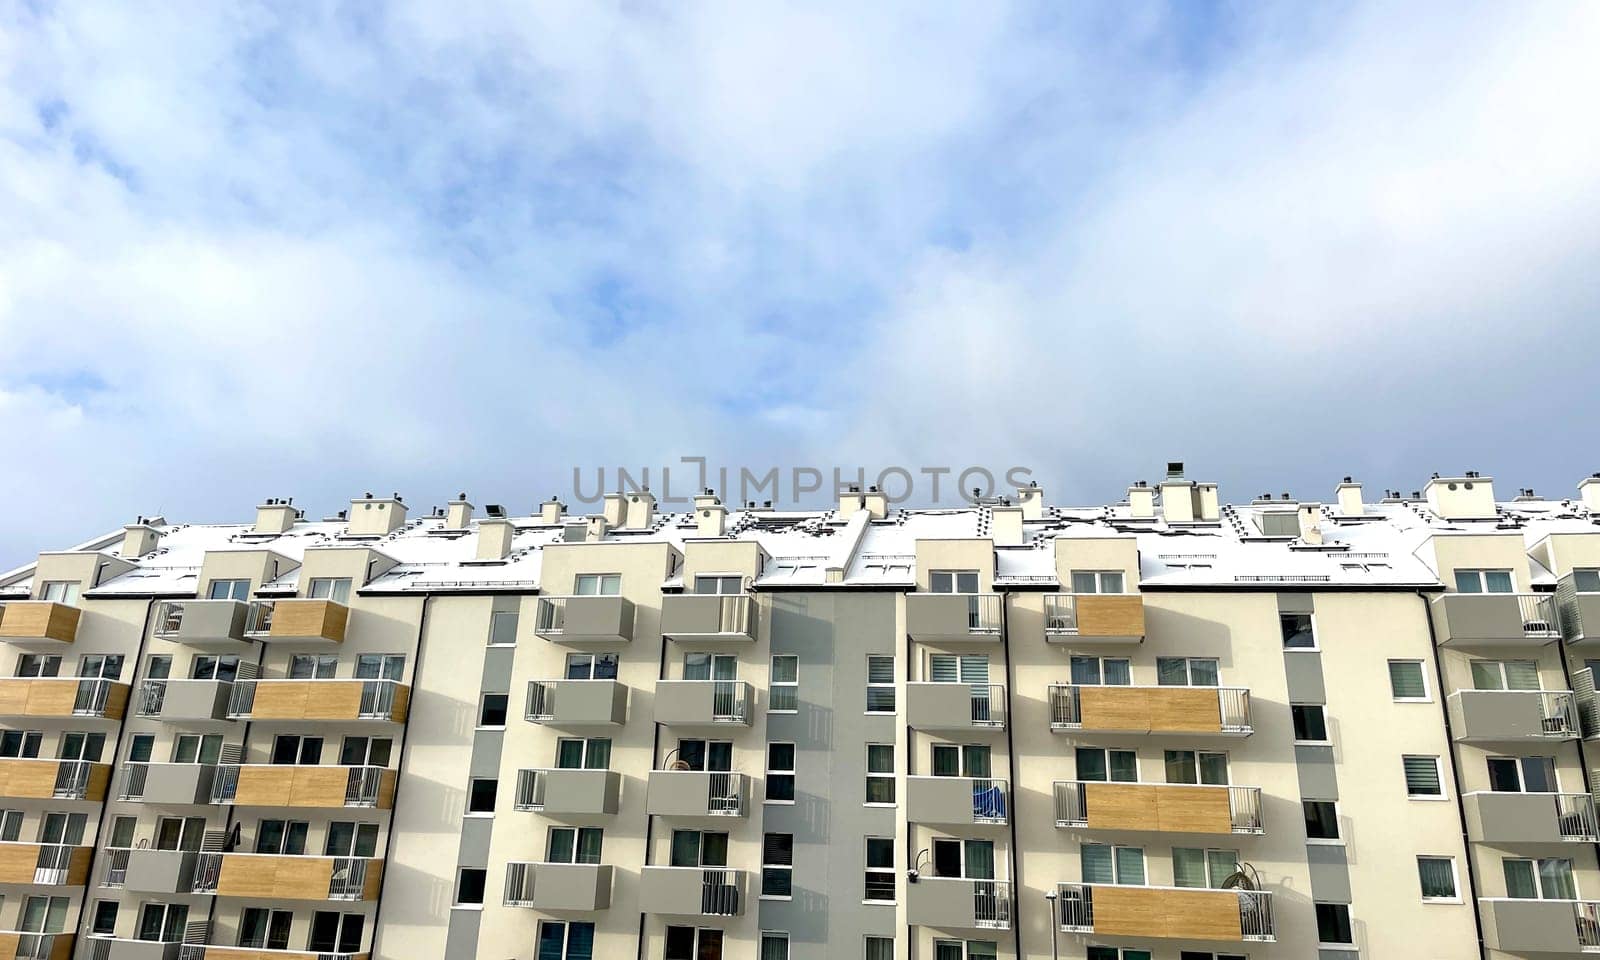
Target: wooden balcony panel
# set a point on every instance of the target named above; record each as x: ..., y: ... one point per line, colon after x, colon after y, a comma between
x: 1185, y: 710
x: 31, y: 779
x: 251, y: 953
x: 18, y: 861
x: 1167, y: 808
x: 309, y: 620
x: 1115, y: 708
x: 318, y: 700
x: 12, y: 946
x: 39, y: 620
x: 56, y: 697
x: 1110, y: 615
x: 266, y: 785
x: 1171, y: 914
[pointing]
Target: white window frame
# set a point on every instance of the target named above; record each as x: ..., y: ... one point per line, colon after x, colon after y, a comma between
x: 761, y: 878
x: 1522, y: 780
x: 566, y: 931
x: 1481, y: 575
x: 336, y: 589
x: 603, y: 585
x: 65, y: 592
x: 1438, y: 767
x: 1188, y: 672
x: 793, y: 686
x: 721, y: 581
x: 872, y: 775
x: 1335, y: 945
x: 1099, y: 669
x: 588, y: 661
x: 1116, y: 864
x: 1101, y: 578
x: 771, y: 771
x: 481, y: 814
x: 1105, y: 759
x: 1455, y: 879
x: 1316, y: 636
x: 1427, y: 691
x: 953, y: 581
x: 1227, y: 762
x: 230, y: 586
x: 483, y: 700
x: 1499, y: 669
x: 888, y: 685
x: 1207, y: 853
x: 456, y: 903
x: 495, y: 618
x: 1321, y: 709
x: 880, y: 872
x: 1538, y: 877
x: 1587, y: 573
x: 761, y: 946
x: 870, y: 940
x: 1334, y: 841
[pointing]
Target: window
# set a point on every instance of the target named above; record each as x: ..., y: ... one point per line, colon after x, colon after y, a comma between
x: 335, y: 932
x: 1483, y: 581
x: 197, y: 748
x: 20, y: 743
x: 260, y: 927
x: 1438, y: 878
x: 960, y: 760
x: 294, y: 749
x: 470, y: 882
x: 214, y: 668
x: 80, y: 745
x: 60, y: 591
x: 1586, y: 580
x: 1406, y: 681
x: 1186, y: 671
x: 880, y: 773
x: 591, y: 666
x: 697, y: 848
x: 1322, y: 819
x: 1547, y: 879
x: 880, y: 684
x: 365, y: 751
x: 591, y: 754
x: 503, y: 628
x: 187, y: 833
x: 163, y: 922
x: 1298, y: 632
x: 953, y: 581
x: 1098, y: 764
x: 780, y: 773
x: 964, y: 950
x: 726, y: 585
x: 1203, y: 868
x: 1522, y: 774
x: 690, y: 943
x: 1505, y: 675
x: 777, y: 865
x: 774, y: 946
x: 158, y: 666
x: 121, y: 831
x: 1333, y: 923
x: 1135, y: 953
x: 597, y: 584
x: 229, y: 590
x: 1309, y: 723
x: 141, y: 747
x: 878, y: 948
x: 105, y: 918
x: 565, y: 940
x: 706, y: 666
x: 1422, y: 778
x: 1104, y: 863
x: 66, y: 828
x: 480, y: 795
x: 880, y: 870
x: 105, y: 666
x: 574, y: 845
x: 308, y: 666
x: 785, y: 688
x: 336, y: 589
x: 1101, y: 671
x: 1097, y: 581
x: 11, y: 825
x: 492, y: 711
x: 285, y: 837
x: 1190, y: 766
x: 38, y: 665
x: 347, y: 838
x: 384, y: 666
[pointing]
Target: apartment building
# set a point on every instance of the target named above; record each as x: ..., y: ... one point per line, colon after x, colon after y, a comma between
x: 1164, y: 729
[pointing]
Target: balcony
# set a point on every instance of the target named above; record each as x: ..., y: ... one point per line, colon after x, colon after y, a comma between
x: 117, y: 948
x: 204, y: 623
x: 956, y: 800
x: 692, y: 891
x: 577, y: 703
x: 707, y: 618
x: 1094, y: 618
x: 558, y: 886
x: 954, y: 617
x: 955, y: 706
x: 306, y: 787
x: 1495, y: 817
x: 183, y: 700
x: 696, y: 793
x: 1495, y: 619
x: 15, y: 945
x: 311, y: 621
x: 956, y: 903
x: 166, y: 783
x: 59, y: 697
x: 1540, y: 926
x: 1579, y: 612
x: 206, y: 951
x: 1158, y: 807
x: 585, y: 619
x: 1174, y: 913
x: 38, y: 621
x: 1506, y: 715
x: 568, y: 792
x: 698, y: 703
x: 319, y: 700
x: 267, y: 876
x: 147, y: 870
x: 49, y: 864
x: 1223, y: 711
x: 54, y: 779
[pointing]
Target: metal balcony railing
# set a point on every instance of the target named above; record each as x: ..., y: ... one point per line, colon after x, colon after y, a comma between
x: 725, y: 794
x: 1072, y: 804
x: 151, y: 698
x: 991, y: 904
x: 1575, y: 816
x: 530, y: 790
x: 133, y: 780
x: 988, y: 705
x: 1066, y: 710
x: 35, y: 946
x: 169, y: 618
x: 363, y: 787
x: 1539, y: 617
x: 728, y: 702
x: 116, y: 866
x: 349, y: 878
x: 519, y: 884
x: 1060, y: 614
x: 1587, y: 915
x: 1560, y: 712
x: 91, y: 698
x: 720, y: 892
x: 53, y: 864
x: 1075, y: 903
x: 72, y: 779
x: 552, y: 615
x: 258, y: 622
x: 225, y: 784
x: 378, y: 699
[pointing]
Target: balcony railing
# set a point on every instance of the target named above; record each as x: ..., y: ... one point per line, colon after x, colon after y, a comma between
x: 1173, y: 912
x: 347, y: 876
x: 1169, y: 807
x: 577, y: 703
x: 116, y: 866
x: 1541, y: 927
x: 963, y: 903
x: 72, y: 779
x: 588, y: 618
x: 378, y: 699
x: 1496, y: 618
x: 1093, y: 617
x: 1152, y: 709
x: 55, y: 863
x: 939, y: 705
x: 1579, y: 611
x: 708, y: 617
x: 519, y: 884
x: 954, y: 616
x: 34, y: 946
x: 1514, y: 714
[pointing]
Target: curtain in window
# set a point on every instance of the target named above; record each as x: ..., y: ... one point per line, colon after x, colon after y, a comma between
x: 1519, y: 880
x: 1405, y: 679
x: 697, y: 666
x: 1467, y: 582
x: 598, y: 756
x: 1086, y: 670
x: 1188, y: 867
x: 1214, y: 768
x: 975, y: 669
x: 1083, y: 581
x: 1203, y: 673
x: 1181, y: 767
x: 1555, y: 880
x: 685, y: 848
x: 1422, y: 776
x: 1497, y: 581
x: 589, y: 839
x: 1096, y: 858
x: 561, y: 846
x: 569, y: 754
x: 1124, y: 766
x: 580, y: 941
x: 1438, y: 879
x: 1172, y: 672
x: 1117, y: 674
x: 946, y: 950
x: 1091, y: 764
x: 1130, y: 865
x: 1220, y: 865
x: 977, y: 761
x: 944, y: 668
x: 774, y: 948
x: 1486, y: 675
x: 1522, y: 675
x: 980, y: 859
x: 550, y: 940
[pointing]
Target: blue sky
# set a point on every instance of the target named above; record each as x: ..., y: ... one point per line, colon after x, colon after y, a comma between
x: 257, y: 251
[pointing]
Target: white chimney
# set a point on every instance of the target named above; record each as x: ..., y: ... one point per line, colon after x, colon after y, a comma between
x: 138, y: 539
x: 1005, y: 526
x: 710, y: 516
x: 494, y: 538
x: 595, y: 528
x: 275, y: 516
x: 1032, y: 500
x: 877, y: 503
x: 552, y: 511
x: 1206, y: 506
x: 616, y: 509
x: 641, y: 510
x: 376, y: 516
x: 458, y: 514
x: 1468, y: 497
x: 1349, y: 494
x: 1589, y: 491
x: 1142, y: 501
x: 1310, y: 514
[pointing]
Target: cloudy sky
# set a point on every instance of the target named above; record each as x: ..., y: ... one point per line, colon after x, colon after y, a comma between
x: 249, y: 251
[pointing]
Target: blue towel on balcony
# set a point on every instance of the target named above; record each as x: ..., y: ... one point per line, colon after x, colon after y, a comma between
x: 988, y: 803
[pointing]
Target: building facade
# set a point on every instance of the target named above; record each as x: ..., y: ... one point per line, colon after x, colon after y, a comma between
x: 1164, y: 729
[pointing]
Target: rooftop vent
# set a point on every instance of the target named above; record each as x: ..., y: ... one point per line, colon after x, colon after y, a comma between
x: 1348, y: 495
x: 138, y: 539
x: 552, y: 510
x: 495, y: 511
x: 710, y: 516
x: 494, y: 538
x: 1589, y: 491
x: 376, y: 517
x: 277, y: 515
x: 1032, y: 500
x: 1468, y: 497
x: 1141, y: 501
x: 459, y: 513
